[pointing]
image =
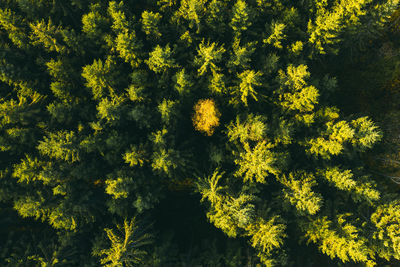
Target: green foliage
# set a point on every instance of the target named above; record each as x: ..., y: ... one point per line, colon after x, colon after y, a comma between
x: 241, y: 56
x: 150, y: 23
x: 110, y: 109
x: 248, y: 80
x: 208, y: 56
x: 345, y: 246
x: 299, y: 193
x: 135, y: 156
x: 366, y: 133
x: 276, y: 35
x: 61, y: 145
x: 118, y: 187
x: 166, y: 109
x: 128, y: 48
x: 343, y: 181
x: 256, y: 163
x: 267, y: 236
x: 93, y: 22
x: 335, y: 135
x: 164, y: 161
x: 240, y: 21
x: 217, y: 83
x: 295, y: 94
x: 46, y: 34
x: 99, y: 77
x: 126, y: 245
x: 183, y: 82
x: 253, y: 129
x: 191, y: 11
x: 160, y: 59
x: 386, y: 220
x: 230, y: 214
x: 209, y: 188
x: 10, y: 21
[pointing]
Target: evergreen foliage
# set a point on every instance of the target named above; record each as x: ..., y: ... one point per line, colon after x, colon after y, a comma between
x: 232, y: 129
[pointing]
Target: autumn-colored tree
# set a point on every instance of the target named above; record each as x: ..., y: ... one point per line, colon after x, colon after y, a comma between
x: 206, y: 116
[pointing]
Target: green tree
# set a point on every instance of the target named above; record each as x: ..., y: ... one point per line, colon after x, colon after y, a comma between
x: 126, y: 245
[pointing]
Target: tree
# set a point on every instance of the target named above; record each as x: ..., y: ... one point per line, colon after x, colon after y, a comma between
x: 240, y: 21
x: 150, y: 23
x: 160, y: 59
x: 126, y: 245
x: 248, y: 80
x: 208, y: 56
x: 206, y: 116
x: 256, y: 163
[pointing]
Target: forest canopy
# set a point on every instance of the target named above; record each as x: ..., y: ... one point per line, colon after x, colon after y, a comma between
x: 199, y: 133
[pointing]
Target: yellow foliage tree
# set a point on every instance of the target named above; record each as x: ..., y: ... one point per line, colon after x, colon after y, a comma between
x: 206, y: 116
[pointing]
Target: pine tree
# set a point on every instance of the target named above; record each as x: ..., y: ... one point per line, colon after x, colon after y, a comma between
x: 126, y: 245
x: 240, y: 21
x: 208, y: 56
x: 160, y: 59
x: 150, y: 23
x: 248, y: 80
x: 256, y: 163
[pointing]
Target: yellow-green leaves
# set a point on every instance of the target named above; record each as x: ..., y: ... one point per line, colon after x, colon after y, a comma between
x: 183, y: 82
x: 61, y: 145
x: 150, y: 23
x: 276, y: 35
x: 192, y: 11
x: 46, y: 35
x: 267, y: 235
x: 299, y: 193
x: 217, y: 83
x: 119, y: 21
x: 255, y: 160
x: 232, y: 214
x: 341, y: 179
x: 110, y: 109
x: 332, y: 141
x: 135, y: 156
x: 248, y: 80
x: 10, y: 21
x: 361, y: 188
x: 240, y: 17
x: 241, y: 54
x: 128, y: 47
x: 126, y: 243
x: 295, y: 94
x: 256, y: 163
x: 30, y: 206
x: 366, y: 133
x: 166, y: 109
x: 253, y: 129
x: 330, y: 21
x: 160, y: 59
x: 343, y: 243
x: 99, y: 77
x: 164, y: 161
x: 386, y: 219
x: 209, y: 188
x: 209, y: 54
x: 93, y: 23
